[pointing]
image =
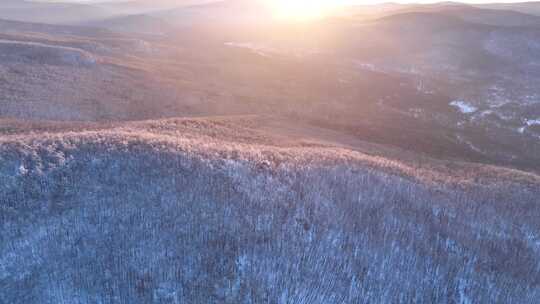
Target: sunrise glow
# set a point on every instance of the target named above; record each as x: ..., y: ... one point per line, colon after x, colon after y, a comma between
x: 302, y: 9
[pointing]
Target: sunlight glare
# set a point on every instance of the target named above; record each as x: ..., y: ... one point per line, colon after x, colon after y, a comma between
x: 301, y: 10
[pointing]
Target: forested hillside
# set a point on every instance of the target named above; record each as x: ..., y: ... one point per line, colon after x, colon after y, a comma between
x: 217, y: 211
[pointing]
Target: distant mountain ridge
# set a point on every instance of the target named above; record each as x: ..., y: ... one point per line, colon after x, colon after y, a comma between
x: 51, y: 13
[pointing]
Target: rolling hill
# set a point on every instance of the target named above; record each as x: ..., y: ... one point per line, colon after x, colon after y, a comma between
x: 140, y: 24
x: 220, y: 210
x: 51, y: 13
x: 189, y: 153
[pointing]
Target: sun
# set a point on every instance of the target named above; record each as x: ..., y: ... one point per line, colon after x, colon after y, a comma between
x: 302, y: 10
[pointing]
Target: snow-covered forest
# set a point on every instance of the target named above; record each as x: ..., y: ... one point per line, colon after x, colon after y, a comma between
x: 223, y: 214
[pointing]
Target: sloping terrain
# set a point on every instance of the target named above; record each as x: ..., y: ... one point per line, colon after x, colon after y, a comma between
x: 142, y: 24
x: 37, y: 53
x: 532, y: 7
x: 509, y: 17
x: 79, y: 73
x: 136, y: 7
x: 51, y: 12
x: 412, y: 85
x: 489, y: 70
x: 391, y: 157
x: 216, y: 210
x: 218, y: 13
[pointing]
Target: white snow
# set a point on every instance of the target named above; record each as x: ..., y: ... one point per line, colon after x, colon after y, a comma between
x: 529, y: 123
x: 23, y: 170
x: 533, y: 122
x: 464, y: 107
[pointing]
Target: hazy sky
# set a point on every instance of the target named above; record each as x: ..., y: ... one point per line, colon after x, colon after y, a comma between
x: 330, y: 1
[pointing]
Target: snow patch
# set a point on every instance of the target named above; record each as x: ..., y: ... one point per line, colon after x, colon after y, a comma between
x: 464, y: 107
x: 529, y: 123
x: 532, y: 122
